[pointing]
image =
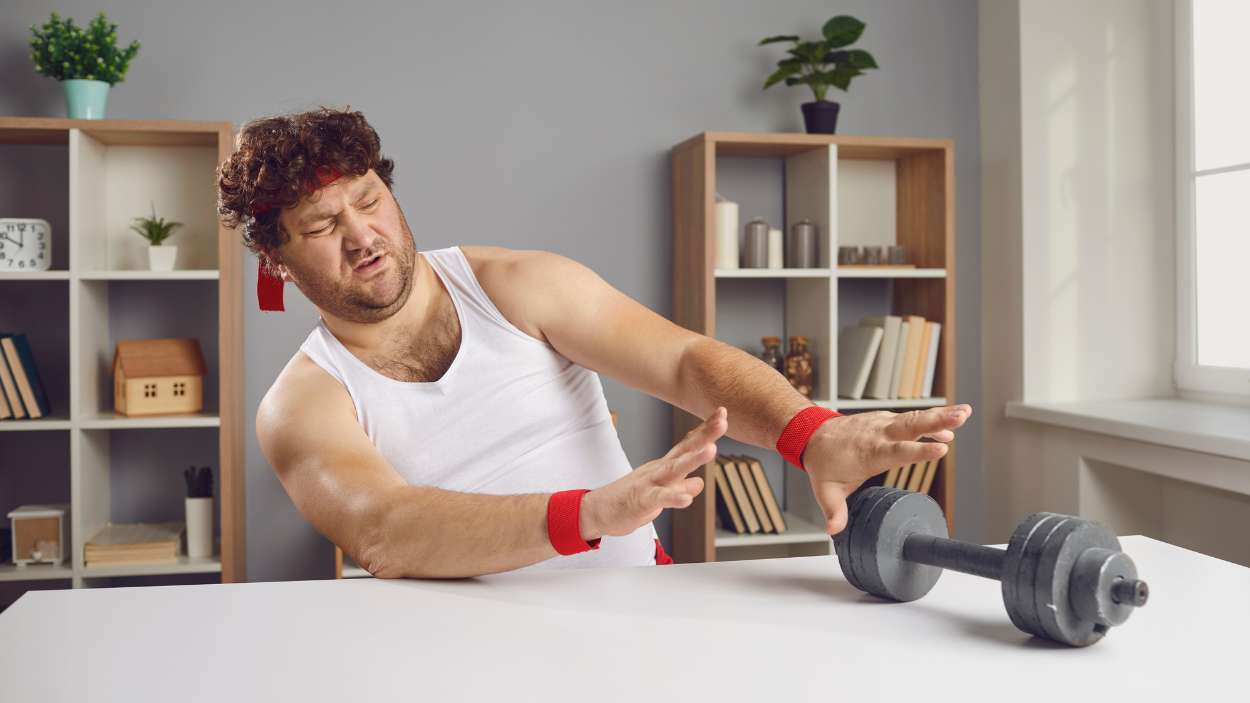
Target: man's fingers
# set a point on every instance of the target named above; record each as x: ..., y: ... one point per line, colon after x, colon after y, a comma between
x: 675, y: 468
x: 918, y: 423
x: 710, y: 430
x: 902, y: 453
x: 679, y: 496
x: 942, y: 436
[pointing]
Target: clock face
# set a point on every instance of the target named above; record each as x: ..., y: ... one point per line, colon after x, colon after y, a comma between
x: 25, y: 245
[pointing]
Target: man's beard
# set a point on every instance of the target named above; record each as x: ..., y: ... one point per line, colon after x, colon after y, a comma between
x: 354, y: 305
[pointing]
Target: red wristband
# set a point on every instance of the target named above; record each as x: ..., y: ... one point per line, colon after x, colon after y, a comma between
x: 564, y: 516
x: 799, y: 430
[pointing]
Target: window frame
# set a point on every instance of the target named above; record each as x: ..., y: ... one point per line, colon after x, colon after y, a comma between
x: 1188, y: 374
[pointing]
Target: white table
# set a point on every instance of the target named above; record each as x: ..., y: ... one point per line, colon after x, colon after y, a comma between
x: 768, y: 630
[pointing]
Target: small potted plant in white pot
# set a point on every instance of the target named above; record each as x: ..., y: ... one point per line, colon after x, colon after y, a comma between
x: 821, y: 64
x: 156, y: 230
x: 86, y: 60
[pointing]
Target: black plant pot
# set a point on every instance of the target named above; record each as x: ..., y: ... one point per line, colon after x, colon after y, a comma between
x: 821, y: 117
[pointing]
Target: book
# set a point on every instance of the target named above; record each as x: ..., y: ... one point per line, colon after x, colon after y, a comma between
x: 139, y: 543
x: 891, y: 476
x: 10, y: 388
x: 767, y: 493
x: 911, y: 355
x: 857, y: 350
x: 5, y: 412
x: 900, y: 352
x: 903, y: 475
x: 753, y: 493
x: 922, y: 361
x: 929, y: 473
x: 917, y: 476
x: 26, y: 375
x: 726, y: 508
x: 879, y: 378
x: 740, y: 496
x: 934, y: 335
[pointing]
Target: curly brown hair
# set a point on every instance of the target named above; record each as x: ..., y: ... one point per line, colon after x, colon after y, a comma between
x: 277, y: 162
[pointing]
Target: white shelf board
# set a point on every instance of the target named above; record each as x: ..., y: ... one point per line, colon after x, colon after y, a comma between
x: 798, y: 531
x: 184, y: 565
x: 187, y: 275
x: 113, y: 421
x: 774, y: 273
x: 28, y: 425
x: 874, y: 404
x: 35, y: 572
x: 351, y: 571
x: 890, y: 273
x: 34, y: 275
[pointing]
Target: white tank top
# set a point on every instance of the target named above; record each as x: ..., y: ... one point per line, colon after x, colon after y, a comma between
x: 510, y: 415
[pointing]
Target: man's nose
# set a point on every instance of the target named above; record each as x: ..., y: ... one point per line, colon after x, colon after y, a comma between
x: 356, y: 233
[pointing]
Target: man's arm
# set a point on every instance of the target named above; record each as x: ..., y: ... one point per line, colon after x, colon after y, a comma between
x: 347, y: 490
x: 597, y: 326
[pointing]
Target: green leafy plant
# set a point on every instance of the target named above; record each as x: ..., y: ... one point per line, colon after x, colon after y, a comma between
x: 824, y: 63
x: 65, y: 51
x: 153, y: 229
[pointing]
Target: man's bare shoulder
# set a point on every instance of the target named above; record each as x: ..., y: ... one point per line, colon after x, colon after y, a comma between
x: 526, y: 285
x: 300, y: 387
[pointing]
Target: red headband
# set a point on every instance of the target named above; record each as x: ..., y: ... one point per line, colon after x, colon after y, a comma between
x: 268, y: 282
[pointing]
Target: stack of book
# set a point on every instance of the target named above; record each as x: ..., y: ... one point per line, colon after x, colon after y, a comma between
x: 21, y: 390
x: 913, y: 477
x: 745, y: 501
x: 888, y: 357
x: 140, y: 543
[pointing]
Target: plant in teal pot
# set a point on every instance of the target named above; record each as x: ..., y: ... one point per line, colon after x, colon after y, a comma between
x: 820, y: 65
x: 86, y: 60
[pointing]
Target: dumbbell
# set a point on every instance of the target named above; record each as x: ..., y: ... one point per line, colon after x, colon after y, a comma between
x: 1063, y: 578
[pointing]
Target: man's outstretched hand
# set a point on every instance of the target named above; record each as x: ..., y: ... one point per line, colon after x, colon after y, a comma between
x: 640, y: 496
x: 846, y: 451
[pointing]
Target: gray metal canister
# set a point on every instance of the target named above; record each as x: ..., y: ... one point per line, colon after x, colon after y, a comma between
x: 755, y: 246
x: 801, y: 250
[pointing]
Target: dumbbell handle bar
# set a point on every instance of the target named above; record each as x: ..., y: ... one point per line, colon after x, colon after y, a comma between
x: 987, y: 562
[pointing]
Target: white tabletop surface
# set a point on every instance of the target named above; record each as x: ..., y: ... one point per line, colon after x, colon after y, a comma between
x: 767, y: 630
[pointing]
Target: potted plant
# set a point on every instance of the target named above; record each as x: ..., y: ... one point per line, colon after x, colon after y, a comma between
x: 156, y: 231
x: 821, y: 64
x: 87, y: 61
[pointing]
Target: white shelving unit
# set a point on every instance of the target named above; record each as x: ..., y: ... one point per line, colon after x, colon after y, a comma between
x: 129, y: 469
x: 865, y: 191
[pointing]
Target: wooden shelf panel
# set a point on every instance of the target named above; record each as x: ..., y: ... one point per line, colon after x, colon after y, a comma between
x: 56, y: 422
x: 780, y: 145
x: 182, y: 275
x: 35, y: 572
x: 34, y: 276
x: 774, y: 273
x: 798, y: 531
x: 184, y: 565
x: 890, y: 273
x: 55, y: 130
x: 113, y: 421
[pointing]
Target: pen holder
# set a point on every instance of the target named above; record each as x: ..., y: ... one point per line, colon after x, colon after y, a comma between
x: 199, y: 527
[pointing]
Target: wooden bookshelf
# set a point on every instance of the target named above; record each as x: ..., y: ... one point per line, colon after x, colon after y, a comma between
x: 825, y: 179
x: 94, y: 176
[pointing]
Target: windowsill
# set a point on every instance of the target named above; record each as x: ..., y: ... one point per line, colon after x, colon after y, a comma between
x: 1210, y: 428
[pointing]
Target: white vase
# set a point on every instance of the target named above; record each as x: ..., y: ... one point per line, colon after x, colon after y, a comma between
x: 199, y: 527
x: 161, y: 258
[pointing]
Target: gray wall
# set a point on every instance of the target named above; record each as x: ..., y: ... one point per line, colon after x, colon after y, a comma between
x: 531, y: 125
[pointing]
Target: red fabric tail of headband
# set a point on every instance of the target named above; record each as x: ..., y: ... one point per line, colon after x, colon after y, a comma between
x: 269, y: 290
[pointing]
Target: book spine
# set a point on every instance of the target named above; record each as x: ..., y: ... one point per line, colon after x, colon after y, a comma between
x: 27, y: 359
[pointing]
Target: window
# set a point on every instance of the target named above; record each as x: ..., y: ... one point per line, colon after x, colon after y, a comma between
x: 180, y: 388
x: 149, y: 390
x: 1213, y: 185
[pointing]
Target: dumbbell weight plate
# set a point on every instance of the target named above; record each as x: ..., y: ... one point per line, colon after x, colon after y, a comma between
x: 1019, y: 569
x: 876, y: 544
x: 841, y: 541
x: 1060, y: 620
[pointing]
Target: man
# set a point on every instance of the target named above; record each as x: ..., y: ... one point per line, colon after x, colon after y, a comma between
x: 445, y: 417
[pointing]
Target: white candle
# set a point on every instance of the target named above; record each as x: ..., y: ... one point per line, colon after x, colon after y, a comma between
x: 726, y: 234
x: 776, y: 259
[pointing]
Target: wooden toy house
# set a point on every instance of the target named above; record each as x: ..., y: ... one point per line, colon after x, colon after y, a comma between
x: 158, y: 376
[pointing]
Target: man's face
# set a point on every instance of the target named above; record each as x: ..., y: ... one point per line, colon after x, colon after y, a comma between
x: 349, y: 249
